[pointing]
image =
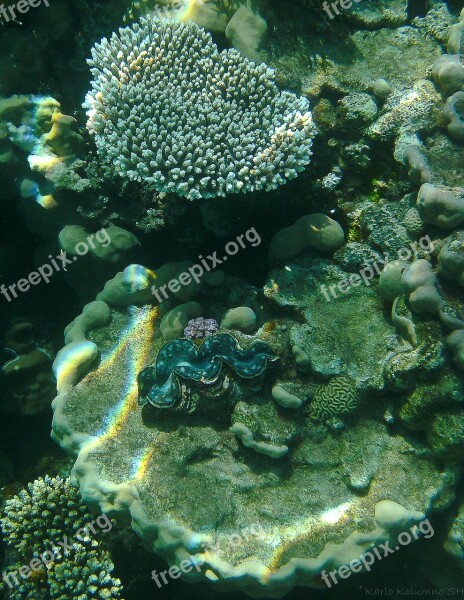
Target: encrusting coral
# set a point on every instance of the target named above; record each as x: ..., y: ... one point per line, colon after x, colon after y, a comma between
x: 169, y: 110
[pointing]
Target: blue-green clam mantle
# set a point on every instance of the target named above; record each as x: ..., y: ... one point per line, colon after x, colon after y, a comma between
x: 202, y: 366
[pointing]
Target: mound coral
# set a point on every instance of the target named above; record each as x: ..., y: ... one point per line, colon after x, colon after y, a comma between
x: 441, y: 206
x: 451, y: 258
x: 454, y: 114
x: 316, y: 231
x: 419, y: 284
x: 169, y: 110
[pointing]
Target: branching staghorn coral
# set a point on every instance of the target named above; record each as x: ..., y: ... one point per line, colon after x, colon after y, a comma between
x: 36, y: 517
x: 39, y: 525
x: 169, y: 110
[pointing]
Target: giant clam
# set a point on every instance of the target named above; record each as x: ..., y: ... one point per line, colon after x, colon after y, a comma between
x: 181, y: 366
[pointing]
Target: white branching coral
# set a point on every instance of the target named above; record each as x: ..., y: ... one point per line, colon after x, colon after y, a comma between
x: 168, y: 109
x: 41, y: 514
x: 46, y: 529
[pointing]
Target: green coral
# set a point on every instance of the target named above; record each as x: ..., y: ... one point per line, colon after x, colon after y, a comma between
x: 337, y: 399
x: 403, y: 370
x: 429, y: 398
x: 375, y: 195
x: 446, y: 435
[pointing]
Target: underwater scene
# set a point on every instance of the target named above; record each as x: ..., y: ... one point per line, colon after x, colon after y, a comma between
x: 231, y: 299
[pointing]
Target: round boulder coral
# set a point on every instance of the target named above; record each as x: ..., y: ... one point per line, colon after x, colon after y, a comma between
x: 454, y: 114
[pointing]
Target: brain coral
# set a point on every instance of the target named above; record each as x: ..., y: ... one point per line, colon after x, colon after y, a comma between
x: 167, y: 108
x: 337, y: 398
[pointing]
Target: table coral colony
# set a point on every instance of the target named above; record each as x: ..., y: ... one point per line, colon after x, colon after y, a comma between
x: 168, y: 109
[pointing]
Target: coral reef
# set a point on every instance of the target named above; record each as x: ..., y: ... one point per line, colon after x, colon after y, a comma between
x: 309, y: 425
x: 315, y: 385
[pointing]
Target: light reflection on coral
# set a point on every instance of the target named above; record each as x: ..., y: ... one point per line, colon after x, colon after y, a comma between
x: 306, y: 529
x: 132, y: 351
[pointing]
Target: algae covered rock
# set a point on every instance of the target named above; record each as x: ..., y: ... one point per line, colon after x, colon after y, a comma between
x: 375, y: 13
x: 401, y: 57
x: 446, y: 434
x: 324, y: 295
x: 455, y: 541
x: 429, y: 398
